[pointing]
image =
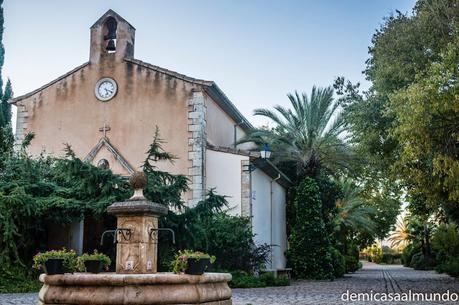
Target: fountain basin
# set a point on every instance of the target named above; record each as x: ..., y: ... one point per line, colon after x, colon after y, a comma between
x: 135, y: 289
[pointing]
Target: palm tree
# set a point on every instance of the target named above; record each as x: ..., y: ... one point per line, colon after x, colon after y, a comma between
x: 400, y: 238
x: 353, y: 212
x: 309, y: 134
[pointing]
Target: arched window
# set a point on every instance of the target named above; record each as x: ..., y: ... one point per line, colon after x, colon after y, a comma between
x: 109, y: 32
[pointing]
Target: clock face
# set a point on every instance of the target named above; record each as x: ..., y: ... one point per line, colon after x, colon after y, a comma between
x: 106, y: 89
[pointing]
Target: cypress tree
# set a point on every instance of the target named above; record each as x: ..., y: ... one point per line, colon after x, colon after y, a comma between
x: 6, y: 132
x: 310, y: 253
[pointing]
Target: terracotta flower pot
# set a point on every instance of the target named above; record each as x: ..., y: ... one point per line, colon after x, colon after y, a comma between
x: 197, y: 266
x: 54, y: 266
x: 93, y: 266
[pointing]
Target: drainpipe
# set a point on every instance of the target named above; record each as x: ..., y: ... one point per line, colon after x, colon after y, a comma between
x: 271, y: 211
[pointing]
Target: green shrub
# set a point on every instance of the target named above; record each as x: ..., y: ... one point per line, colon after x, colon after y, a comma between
x: 69, y: 257
x: 421, y: 262
x: 339, y: 263
x: 106, y: 261
x: 352, y: 264
x: 18, y: 279
x: 208, y: 229
x: 374, y: 254
x: 242, y: 279
x: 309, y: 254
x: 445, y: 243
x: 180, y: 263
x: 270, y: 280
x: 408, y: 253
x: 391, y: 258
x: 451, y: 267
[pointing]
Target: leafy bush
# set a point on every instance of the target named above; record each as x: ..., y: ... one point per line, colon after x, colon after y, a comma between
x: 231, y: 238
x: 106, y: 261
x: 207, y: 228
x: 69, y: 257
x: 180, y: 263
x: 34, y: 191
x: 16, y: 279
x: 374, y: 254
x: 408, y: 253
x: 352, y: 264
x: 445, y: 242
x: 242, y: 279
x: 390, y: 256
x: 309, y: 254
x: 420, y: 262
x: 339, y: 263
x: 451, y: 267
x: 270, y: 280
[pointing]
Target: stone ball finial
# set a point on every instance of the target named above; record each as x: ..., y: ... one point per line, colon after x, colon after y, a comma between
x: 138, y: 180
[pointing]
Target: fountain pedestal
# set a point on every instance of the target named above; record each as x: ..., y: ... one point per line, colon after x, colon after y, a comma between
x: 136, y: 280
x: 137, y: 222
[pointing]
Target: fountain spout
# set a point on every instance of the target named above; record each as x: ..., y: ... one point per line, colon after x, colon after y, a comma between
x: 153, y: 233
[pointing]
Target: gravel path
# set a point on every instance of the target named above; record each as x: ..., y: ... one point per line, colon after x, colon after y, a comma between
x: 372, y: 278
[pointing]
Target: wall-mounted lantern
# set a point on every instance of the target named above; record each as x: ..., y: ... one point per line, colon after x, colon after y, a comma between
x: 265, y: 152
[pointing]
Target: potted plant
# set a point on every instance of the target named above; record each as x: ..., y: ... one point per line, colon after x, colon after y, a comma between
x: 93, y: 263
x: 192, y: 262
x: 55, y: 261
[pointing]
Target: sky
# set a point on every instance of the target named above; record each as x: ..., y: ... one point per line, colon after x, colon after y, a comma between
x: 256, y: 51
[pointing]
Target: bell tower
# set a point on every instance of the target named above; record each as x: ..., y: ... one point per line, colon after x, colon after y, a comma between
x: 112, y: 38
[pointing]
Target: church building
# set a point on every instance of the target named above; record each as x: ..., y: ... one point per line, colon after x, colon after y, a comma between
x: 108, y: 108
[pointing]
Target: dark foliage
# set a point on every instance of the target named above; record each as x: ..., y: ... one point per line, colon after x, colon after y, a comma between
x: 207, y: 228
x: 352, y: 263
x: 339, y: 263
x: 242, y: 279
x: 309, y: 254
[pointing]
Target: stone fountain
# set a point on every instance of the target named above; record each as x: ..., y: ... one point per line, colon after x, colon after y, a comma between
x: 136, y: 280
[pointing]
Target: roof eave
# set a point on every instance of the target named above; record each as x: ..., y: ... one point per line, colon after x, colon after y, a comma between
x: 271, y: 170
x: 217, y: 94
x: 112, y: 13
x: 31, y: 93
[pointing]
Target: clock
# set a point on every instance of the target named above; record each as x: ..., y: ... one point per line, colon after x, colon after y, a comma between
x: 106, y: 89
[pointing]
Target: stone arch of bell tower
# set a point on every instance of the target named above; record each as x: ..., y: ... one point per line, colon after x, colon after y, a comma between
x: 112, y: 29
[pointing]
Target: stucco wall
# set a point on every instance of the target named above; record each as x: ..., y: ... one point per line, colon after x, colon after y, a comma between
x: 269, y: 222
x: 279, y: 226
x: 223, y: 172
x: 220, y: 127
x: 68, y: 112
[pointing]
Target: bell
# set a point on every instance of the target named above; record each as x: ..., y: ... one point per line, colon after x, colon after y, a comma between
x: 111, y: 35
x: 111, y: 46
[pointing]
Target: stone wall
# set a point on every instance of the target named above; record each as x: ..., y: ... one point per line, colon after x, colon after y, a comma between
x: 197, y: 145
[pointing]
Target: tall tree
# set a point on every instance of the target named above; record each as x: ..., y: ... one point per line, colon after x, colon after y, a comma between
x: 428, y: 127
x: 6, y: 133
x: 354, y: 213
x: 310, y: 134
x: 402, y: 50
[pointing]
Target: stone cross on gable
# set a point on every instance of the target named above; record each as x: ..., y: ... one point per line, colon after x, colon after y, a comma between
x: 104, y: 129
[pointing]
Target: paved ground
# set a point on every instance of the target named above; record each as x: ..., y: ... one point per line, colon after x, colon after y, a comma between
x: 376, y: 278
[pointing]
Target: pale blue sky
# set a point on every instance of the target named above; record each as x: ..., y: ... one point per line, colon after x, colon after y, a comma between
x: 256, y: 51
